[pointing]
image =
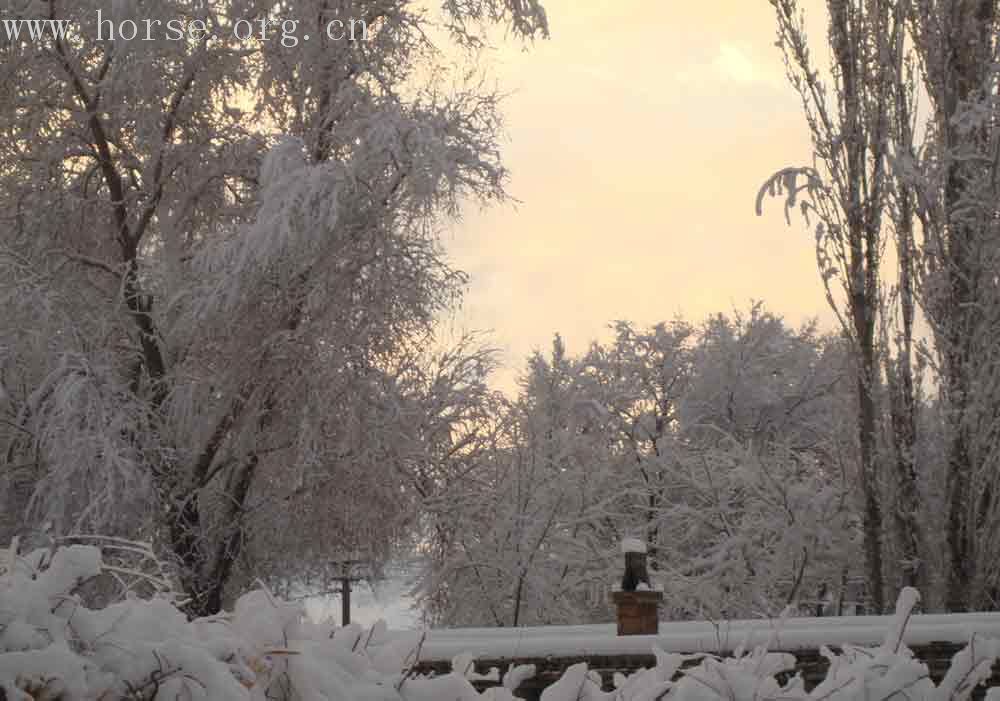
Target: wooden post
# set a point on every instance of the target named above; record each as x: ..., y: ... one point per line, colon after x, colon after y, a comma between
x: 637, y: 604
x: 348, y: 577
x: 345, y: 601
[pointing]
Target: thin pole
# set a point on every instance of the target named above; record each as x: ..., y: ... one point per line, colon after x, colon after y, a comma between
x: 345, y: 600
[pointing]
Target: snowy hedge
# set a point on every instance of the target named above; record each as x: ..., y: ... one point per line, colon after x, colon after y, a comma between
x: 55, y: 648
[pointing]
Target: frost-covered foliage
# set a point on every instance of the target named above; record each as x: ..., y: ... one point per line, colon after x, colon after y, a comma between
x: 54, y: 647
x: 901, y: 196
x: 955, y: 190
x: 217, y: 255
x: 537, y: 560
x: 724, y: 448
x: 850, y: 115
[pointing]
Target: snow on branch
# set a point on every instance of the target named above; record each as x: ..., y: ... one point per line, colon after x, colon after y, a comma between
x: 786, y: 182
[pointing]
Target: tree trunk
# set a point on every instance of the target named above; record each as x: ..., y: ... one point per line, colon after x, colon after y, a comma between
x: 872, y: 510
x: 862, y: 200
x: 216, y: 578
x: 909, y: 531
x: 184, y: 527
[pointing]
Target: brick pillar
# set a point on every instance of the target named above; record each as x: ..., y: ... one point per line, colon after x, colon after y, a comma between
x: 638, y: 612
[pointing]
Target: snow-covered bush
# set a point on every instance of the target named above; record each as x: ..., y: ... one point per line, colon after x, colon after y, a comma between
x: 53, y: 647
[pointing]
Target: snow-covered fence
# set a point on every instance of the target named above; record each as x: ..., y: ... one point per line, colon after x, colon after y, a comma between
x: 811, y: 665
x: 719, y: 638
x: 933, y: 638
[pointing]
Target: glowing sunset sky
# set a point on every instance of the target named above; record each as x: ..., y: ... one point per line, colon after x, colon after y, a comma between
x: 639, y: 136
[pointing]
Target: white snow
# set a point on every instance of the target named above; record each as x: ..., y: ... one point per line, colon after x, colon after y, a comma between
x: 633, y: 545
x: 442, y: 645
x: 53, y: 646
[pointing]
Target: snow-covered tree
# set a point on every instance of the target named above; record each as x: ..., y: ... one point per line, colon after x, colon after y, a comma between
x: 192, y: 314
x: 541, y: 555
x: 955, y: 189
x: 852, y: 117
x: 638, y: 379
x: 759, y: 514
x: 725, y: 446
x: 929, y: 187
x: 759, y: 381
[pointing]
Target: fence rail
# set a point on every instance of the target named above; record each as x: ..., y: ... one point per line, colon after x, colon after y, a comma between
x: 934, y: 640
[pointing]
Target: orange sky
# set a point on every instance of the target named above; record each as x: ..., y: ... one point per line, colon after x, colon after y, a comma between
x: 639, y: 136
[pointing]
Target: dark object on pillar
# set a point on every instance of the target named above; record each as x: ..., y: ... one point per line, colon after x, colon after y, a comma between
x: 821, y: 600
x: 635, y: 571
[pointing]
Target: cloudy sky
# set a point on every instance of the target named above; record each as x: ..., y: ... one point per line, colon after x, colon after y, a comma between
x: 639, y: 136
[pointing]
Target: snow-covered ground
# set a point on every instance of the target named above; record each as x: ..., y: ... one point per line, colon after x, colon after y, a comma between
x: 389, y: 600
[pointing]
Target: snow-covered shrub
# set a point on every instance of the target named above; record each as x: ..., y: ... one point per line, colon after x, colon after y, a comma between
x: 53, y: 647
